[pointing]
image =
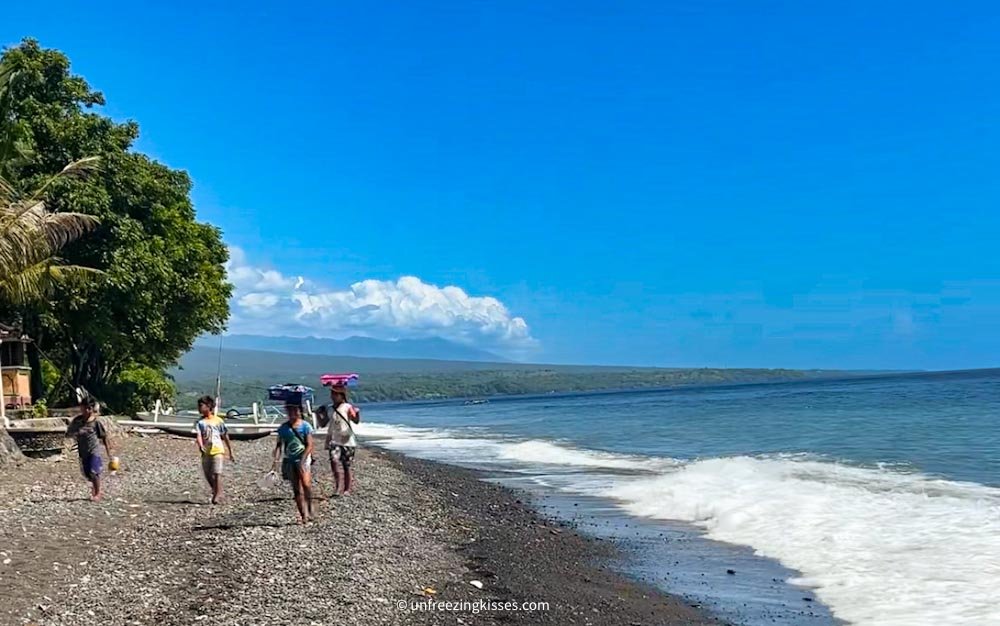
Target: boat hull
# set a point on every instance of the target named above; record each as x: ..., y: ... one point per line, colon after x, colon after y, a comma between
x: 233, y: 434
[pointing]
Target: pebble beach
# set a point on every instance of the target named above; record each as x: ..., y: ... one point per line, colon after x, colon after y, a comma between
x: 418, y: 543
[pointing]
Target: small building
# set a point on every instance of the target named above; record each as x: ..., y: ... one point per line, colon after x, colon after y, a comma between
x: 15, y: 373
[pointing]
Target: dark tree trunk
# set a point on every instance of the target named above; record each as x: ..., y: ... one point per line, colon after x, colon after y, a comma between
x: 33, y: 328
x: 37, y: 384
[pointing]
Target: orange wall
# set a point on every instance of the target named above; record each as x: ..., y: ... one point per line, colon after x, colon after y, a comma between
x: 17, y: 382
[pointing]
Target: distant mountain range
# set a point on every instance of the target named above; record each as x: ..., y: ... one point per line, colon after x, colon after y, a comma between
x: 433, y: 349
x: 247, y: 373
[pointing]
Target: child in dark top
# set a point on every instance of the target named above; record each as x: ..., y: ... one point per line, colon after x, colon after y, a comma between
x: 90, y: 434
x: 295, y: 438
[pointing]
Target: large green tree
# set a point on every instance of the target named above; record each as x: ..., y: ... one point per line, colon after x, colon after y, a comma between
x: 164, y: 279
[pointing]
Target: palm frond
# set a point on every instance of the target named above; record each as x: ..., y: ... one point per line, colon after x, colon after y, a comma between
x: 24, y: 286
x: 76, y: 168
x: 64, y: 228
x: 6, y: 190
x: 31, y: 236
x: 34, y: 282
x: 6, y: 74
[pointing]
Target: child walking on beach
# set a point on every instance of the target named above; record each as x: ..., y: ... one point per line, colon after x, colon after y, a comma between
x: 295, y: 437
x: 90, y: 434
x: 214, y: 445
x: 340, y: 440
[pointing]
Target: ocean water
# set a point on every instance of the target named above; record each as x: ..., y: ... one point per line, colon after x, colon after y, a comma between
x: 881, y: 495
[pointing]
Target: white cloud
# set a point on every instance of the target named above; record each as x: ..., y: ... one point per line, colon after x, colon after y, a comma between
x: 268, y: 302
x: 247, y: 278
x: 258, y: 301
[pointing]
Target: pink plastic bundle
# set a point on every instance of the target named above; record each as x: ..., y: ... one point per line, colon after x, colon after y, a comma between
x: 338, y: 380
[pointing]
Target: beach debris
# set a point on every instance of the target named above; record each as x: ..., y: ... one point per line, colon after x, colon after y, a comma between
x: 477, y: 584
x: 268, y: 480
x: 430, y: 591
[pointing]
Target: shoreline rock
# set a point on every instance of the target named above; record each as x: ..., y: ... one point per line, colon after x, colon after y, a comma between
x: 9, y: 452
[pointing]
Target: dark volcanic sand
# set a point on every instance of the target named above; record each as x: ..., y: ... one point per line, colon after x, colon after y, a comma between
x: 524, y: 557
x: 155, y: 553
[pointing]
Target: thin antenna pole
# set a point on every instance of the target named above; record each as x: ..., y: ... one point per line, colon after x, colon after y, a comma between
x: 218, y: 380
x: 3, y: 400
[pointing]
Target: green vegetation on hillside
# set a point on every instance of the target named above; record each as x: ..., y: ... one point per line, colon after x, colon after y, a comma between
x: 247, y: 374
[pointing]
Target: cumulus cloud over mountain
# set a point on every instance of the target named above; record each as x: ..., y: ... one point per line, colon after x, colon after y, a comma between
x: 269, y: 303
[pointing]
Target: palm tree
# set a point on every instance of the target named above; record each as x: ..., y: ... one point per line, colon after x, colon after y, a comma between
x: 31, y: 235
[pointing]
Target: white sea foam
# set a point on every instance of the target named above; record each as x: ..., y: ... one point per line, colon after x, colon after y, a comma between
x: 880, y: 548
x: 546, y: 452
x: 445, y: 444
x: 375, y: 430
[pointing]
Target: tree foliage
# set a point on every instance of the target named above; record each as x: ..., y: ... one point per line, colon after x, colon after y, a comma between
x: 164, y: 278
x: 138, y: 388
x: 30, y: 234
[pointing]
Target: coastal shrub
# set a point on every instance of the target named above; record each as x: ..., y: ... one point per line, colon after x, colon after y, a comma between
x: 50, y: 379
x: 137, y: 389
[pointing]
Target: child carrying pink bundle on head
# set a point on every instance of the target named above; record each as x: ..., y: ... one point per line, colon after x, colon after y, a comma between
x: 340, y: 440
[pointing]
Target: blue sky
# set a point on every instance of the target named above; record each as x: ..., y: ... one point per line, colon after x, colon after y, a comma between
x: 668, y: 183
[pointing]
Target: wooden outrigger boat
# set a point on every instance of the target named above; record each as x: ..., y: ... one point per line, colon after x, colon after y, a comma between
x: 235, y: 433
x: 261, y: 421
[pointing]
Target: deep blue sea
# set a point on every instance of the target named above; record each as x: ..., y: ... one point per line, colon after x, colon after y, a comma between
x: 879, y: 496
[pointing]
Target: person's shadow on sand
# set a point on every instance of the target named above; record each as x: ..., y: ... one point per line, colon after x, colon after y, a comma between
x: 239, y: 525
x: 185, y: 502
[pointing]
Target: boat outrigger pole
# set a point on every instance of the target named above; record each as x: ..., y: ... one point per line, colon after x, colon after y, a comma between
x: 218, y: 380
